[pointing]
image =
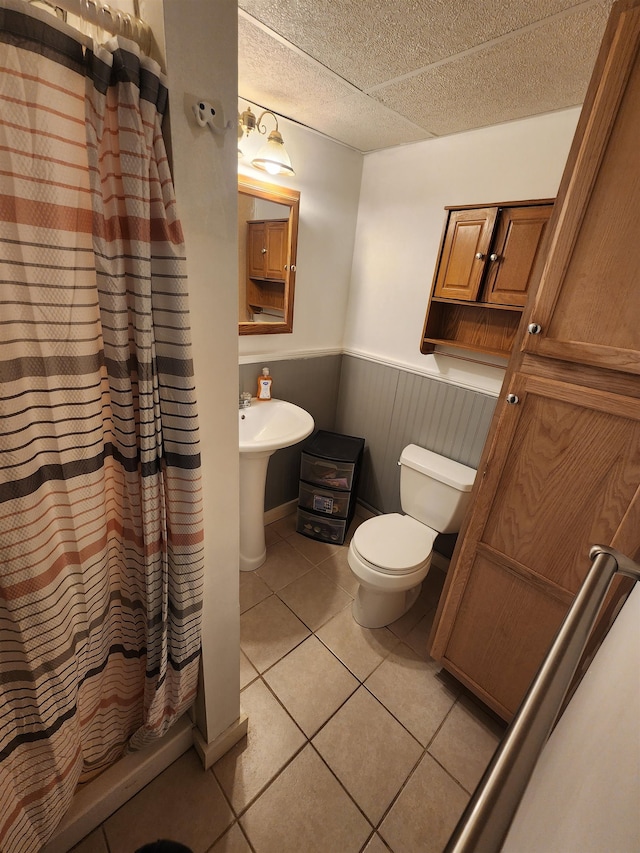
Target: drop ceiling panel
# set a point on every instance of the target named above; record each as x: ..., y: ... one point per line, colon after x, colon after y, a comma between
x: 279, y: 78
x: 361, y: 122
x: 377, y: 73
x: 374, y: 41
x: 541, y: 70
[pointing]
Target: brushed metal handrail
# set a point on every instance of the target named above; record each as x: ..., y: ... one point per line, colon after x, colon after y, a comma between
x: 485, y: 822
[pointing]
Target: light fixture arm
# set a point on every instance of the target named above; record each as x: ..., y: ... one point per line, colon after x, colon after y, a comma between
x: 248, y: 122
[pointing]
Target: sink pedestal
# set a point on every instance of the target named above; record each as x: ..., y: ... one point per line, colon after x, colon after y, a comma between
x: 263, y: 428
x: 253, y: 477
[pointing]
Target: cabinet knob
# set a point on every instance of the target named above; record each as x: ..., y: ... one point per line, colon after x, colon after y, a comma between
x: 293, y: 267
x: 479, y: 256
x: 264, y: 251
x: 286, y: 267
x: 534, y: 328
x: 493, y: 256
x: 512, y: 399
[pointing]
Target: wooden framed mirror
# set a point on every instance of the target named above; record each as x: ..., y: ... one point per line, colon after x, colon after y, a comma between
x: 267, y: 247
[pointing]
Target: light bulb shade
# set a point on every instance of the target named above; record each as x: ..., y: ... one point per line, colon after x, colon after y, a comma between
x: 273, y: 157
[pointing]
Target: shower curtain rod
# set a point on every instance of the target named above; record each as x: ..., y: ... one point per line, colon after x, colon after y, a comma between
x: 113, y: 20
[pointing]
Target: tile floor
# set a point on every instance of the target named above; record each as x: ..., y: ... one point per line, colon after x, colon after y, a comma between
x: 357, y: 741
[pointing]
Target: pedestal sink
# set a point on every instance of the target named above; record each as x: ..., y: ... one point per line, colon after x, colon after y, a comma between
x: 264, y: 427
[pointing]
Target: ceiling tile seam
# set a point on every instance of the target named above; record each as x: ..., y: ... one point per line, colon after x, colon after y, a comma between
x: 295, y: 49
x: 478, y: 48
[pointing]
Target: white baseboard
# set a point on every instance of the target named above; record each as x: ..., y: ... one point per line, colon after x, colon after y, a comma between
x: 281, y: 511
x: 210, y: 752
x: 98, y: 800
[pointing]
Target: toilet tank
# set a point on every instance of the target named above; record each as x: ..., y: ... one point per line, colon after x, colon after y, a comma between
x: 433, y: 489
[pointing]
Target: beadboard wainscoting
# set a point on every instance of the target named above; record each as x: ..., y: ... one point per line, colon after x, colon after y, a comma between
x: 386, y: 405
x: 391, y: 408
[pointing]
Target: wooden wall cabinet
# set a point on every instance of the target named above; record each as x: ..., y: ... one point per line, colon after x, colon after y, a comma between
x: 266, y: 259
x: 561, y: 467
x: 482, y: 279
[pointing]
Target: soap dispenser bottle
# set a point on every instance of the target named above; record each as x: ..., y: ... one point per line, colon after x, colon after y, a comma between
x: 264, y: 385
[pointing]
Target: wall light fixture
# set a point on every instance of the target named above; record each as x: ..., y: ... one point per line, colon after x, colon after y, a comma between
x: 272, y: 157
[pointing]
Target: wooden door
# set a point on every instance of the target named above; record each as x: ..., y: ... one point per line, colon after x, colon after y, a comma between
x: 564, y: 469
x: 276, y: 245
x: 515, y: 249
x: 465, y: 252
x: 256, y: 249
x: 588, y: 304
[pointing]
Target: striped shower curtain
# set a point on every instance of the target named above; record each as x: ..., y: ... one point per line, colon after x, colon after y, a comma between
x: 101, y: 564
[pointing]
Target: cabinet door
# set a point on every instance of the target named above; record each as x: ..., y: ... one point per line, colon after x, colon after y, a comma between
x: 465, y: 252
x: 588, y: 301
x: 513, y: 253
x: 561, y: 475
x: 256, y: 249
x: 276, y: 254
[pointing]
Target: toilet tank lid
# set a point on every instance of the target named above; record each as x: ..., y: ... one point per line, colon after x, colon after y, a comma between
x: 445, y: 470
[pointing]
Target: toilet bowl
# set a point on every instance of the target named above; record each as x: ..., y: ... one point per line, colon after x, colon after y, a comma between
x: 390, y: 554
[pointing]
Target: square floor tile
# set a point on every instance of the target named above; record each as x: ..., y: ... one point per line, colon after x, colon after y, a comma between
x: 93, y: 843
x: 314, y: 598
x: 248, y: 672
x: 369, y: 751
x: 272, y: 739
x: 426, y: 812
x: 253, y: 590
x: 414, y: 691
x: 284, y: 527
x: 305, y: 809
x: 336, y: 568
x: 184, y: 804
x: 283, y: 565
x: 466, y: 742
x: 360, y: 649
x: 311, y: 683
x: 312, y: 549
x: 233, y: 841
x: 268, y: 631
x: 376, y: 845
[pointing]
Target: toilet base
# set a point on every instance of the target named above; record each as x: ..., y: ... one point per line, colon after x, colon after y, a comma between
x: 373, y: 609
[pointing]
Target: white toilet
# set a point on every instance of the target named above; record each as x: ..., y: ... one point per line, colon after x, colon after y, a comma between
x: 390, y: 554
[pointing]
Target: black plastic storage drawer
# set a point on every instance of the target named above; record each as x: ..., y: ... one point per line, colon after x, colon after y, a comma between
x: 329, y: 472
x: 327, y: 501
x: 319, y: 527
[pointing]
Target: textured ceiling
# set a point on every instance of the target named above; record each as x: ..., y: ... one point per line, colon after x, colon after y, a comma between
x: 378, y: 73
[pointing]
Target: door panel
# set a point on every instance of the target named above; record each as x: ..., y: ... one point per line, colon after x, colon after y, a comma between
x: 573, y: 469
x: 588, y: 302
x: 469, y: 233
x: 504, y: 627
x: 517, y: 243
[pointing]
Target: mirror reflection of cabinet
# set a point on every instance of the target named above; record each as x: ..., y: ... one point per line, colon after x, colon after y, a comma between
x: 267, y: 248
x: 267, y: 245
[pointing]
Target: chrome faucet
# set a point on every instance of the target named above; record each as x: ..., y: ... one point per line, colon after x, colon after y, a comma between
x: 245, y: 400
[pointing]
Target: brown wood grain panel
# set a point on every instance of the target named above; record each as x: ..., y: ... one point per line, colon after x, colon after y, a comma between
x: 572, y: 470
x: 504, y: 629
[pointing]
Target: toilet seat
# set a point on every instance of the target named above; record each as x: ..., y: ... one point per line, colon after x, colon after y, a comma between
x: 394, y: 544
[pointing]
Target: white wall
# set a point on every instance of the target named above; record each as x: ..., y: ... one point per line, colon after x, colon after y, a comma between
x: 202, y: 63
x: 328, y: 178
x: 400, y: 224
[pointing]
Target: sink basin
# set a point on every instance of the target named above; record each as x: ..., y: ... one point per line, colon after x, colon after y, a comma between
x: 264, y: 428
x: 268, y: 425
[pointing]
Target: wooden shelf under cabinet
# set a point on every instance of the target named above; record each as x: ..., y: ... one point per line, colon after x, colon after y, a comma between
x: 485, y: 328
x: 481, y: 282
